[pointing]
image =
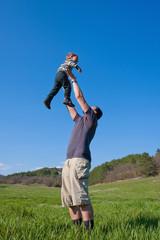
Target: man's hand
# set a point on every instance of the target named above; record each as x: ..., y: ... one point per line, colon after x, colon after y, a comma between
x: 79, y: 70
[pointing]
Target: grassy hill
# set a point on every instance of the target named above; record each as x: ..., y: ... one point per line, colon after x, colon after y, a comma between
x: 131, y: 166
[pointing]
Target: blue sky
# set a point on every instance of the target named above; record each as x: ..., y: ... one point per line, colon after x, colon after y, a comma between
x: 119, y: 52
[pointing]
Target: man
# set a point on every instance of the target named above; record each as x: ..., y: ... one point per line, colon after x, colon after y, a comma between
x: 75, y: 172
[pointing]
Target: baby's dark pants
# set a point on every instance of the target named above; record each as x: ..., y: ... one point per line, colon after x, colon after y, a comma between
x: 61, y: 80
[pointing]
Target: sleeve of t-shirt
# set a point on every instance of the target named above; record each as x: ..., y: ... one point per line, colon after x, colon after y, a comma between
x: 77, y: 117
x: 72, y: 64
x: 91, y: 117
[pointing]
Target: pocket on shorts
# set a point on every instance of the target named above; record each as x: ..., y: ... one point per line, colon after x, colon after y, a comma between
x: 82, y: 169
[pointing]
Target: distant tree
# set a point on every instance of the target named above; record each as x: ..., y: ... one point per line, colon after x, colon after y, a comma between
x: 98, y: 173
x: 158, y: 152
x: 156, y: 159
x: 2, y: 179
x: 147, y: 165
x: 121, y: 172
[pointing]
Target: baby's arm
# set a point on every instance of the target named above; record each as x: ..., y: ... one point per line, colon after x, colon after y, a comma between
x: 79, y: 69
x: 72, y: 64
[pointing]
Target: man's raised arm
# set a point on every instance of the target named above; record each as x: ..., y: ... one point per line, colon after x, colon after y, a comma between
x: 78, y: 93
x: 72, y: 111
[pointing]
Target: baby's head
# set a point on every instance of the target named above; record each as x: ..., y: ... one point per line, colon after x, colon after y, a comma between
x: 72, y: 56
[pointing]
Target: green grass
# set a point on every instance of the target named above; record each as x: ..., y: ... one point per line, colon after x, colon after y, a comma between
x: 123, y: 211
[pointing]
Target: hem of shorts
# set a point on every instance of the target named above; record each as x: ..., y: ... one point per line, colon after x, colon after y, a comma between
x: 78, y: 204
x: 69, y: 157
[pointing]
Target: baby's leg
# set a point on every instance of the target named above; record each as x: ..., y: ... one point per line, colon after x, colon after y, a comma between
x: 67, y: 86
x: 67, y: 91
x: 55, y: 90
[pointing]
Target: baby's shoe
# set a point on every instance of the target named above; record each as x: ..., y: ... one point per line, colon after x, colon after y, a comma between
x: 47, y: 103
x: 67, y: 101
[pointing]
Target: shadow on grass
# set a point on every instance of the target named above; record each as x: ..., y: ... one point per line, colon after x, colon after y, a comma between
x: 3, y: 186
x: 139, y: 222
x: 147, y: 222
x: 65, y: 227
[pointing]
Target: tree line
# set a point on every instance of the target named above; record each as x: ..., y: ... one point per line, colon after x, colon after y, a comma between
x: 51, y: 177
x: 131, y: 166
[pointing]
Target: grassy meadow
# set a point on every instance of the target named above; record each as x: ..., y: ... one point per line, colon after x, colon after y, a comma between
x: 128, y: 210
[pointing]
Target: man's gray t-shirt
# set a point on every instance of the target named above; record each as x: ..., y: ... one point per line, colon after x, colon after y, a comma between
x: 82, y: 135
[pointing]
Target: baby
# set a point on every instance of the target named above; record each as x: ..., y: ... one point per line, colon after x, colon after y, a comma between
x: 61, y: 80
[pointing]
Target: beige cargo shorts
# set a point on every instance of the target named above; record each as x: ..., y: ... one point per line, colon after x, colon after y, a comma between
x: 75, y: 175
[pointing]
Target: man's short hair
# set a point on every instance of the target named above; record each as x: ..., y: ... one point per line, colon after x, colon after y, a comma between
x: 99, y: 113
